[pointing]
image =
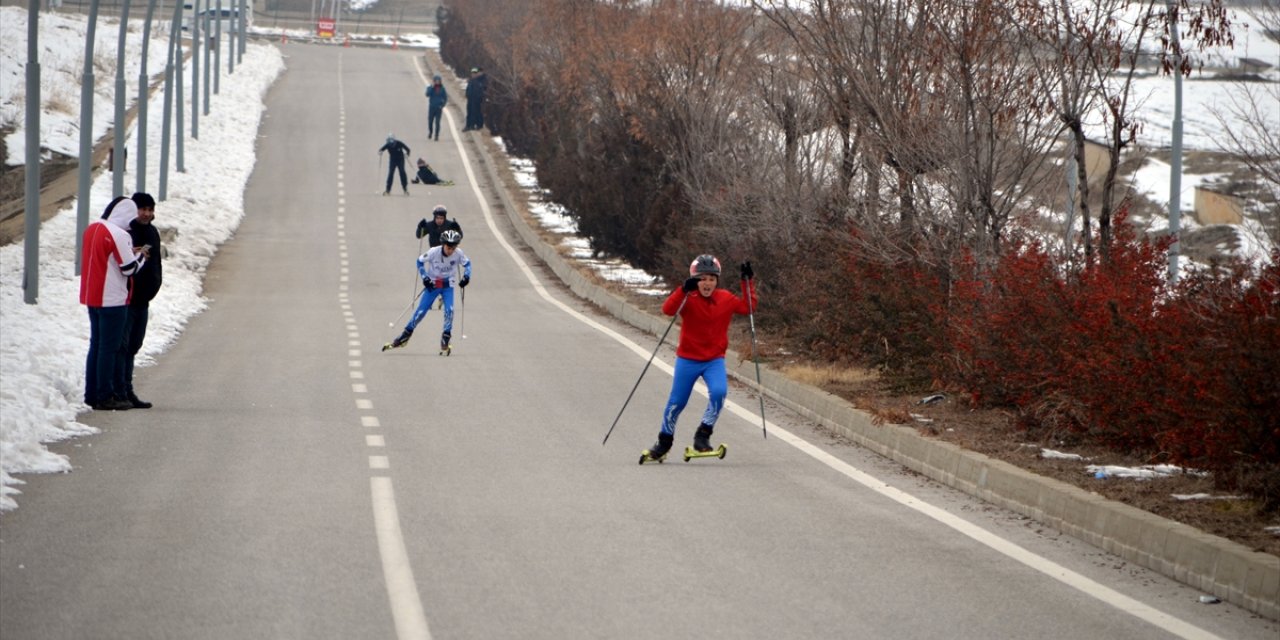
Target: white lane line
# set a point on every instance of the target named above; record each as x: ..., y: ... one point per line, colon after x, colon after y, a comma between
x: 1052, y: 569
x: 402, y: 590
x: 361, y: 403
x: 379, y: 462
x: 369, y: 421
x: 375, y: 441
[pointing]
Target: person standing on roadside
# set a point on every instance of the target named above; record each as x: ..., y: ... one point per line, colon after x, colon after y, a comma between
x: 437, y: 98
x: 145, y: 285
x: 477, y: 85
x: 107, y: 259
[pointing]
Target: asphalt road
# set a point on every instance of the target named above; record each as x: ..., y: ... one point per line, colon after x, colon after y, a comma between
x: 295, y: 482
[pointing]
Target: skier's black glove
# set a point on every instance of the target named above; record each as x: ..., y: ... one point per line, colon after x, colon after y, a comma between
x: 466, y: 280
x: 428, y: 284
x: 422, y: 229
x: 745, y: 271
x: 691, y: 284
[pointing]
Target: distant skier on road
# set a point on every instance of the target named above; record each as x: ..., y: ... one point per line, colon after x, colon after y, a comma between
x: 705, y: 312
x: 439, y: 223
x: 438, y: 268
x: 396, y: 152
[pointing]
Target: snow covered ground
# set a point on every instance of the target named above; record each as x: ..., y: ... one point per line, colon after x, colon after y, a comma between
x: 42, y: 347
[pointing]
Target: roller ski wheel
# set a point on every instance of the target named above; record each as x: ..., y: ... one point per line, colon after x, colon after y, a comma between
x: 445, y: 351
x: 718, y: 452
x: 647, y: 456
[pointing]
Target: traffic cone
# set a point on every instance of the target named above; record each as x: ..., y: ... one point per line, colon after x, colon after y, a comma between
x: 346, y: 42
x: 395, y: 44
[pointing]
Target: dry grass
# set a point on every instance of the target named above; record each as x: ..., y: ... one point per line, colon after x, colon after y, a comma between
x: 826, y: 375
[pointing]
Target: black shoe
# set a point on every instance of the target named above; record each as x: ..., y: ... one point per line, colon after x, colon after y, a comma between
x: 662, y: 446
x: 402, y: 339
x: 444, y: 340
x: 702, y: 438
x: 137, y: 403
x: 112, y: 404
x: 387, y: 192
x: 415, y: 181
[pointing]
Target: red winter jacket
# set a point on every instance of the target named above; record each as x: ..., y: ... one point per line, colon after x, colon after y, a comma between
x: 704, y: 328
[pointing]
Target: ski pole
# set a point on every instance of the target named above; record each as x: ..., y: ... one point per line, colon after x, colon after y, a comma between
x: 646, y: 369
x: 462, y: 314
x: 416, y: 278
x: 751, y: 318
x: 402, y: 312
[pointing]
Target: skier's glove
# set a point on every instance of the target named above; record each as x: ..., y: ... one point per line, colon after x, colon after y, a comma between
x: 422, y: 228
x: 745, y: 271
x: 428, y: 284
x: 466, y: 280
x: 691, y: 284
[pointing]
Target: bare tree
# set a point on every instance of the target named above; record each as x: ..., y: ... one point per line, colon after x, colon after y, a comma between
x: 1250, y: 122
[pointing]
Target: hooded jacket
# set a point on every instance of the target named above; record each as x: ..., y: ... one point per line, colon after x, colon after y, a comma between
x: 437, y: 96
x: 107, y: 259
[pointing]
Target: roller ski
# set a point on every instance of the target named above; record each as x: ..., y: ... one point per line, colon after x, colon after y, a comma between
x: 718, y: 452
x: 658, y: 452
x: 445, y: 348
x: 400, y: 340
x: 702, y: 446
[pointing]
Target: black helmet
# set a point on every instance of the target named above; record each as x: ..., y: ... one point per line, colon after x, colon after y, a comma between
x: 440, y: 211
x: 450, y: 237
x: 705, y: 263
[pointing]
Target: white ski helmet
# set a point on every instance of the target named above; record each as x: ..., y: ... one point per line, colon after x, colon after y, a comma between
x: 450, y: 237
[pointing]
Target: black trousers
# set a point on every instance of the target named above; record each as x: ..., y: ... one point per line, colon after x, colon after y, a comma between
x: 391, y: 171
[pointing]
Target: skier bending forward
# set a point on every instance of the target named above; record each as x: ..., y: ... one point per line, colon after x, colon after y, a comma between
x: 705, y: 313
x: 438, y: 268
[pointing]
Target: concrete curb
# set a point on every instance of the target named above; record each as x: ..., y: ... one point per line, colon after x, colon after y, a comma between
x: 1210, y: 563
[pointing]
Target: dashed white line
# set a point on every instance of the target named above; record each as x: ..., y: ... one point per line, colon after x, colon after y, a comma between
x: 402, y: 590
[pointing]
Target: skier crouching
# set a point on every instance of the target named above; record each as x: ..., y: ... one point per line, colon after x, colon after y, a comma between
x: 705, y: 313
x: 438, y: 268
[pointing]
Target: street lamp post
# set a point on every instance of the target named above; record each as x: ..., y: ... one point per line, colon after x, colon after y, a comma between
x: 1175, y: 171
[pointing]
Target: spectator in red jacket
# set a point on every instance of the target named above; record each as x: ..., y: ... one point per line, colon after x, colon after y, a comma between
x: 107, y: 259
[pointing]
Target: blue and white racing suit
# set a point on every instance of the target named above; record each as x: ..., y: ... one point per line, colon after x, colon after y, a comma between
x: 442, y: 272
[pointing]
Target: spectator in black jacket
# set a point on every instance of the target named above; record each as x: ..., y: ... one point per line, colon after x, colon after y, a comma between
x: 477, y: 85
x: 145, y: 284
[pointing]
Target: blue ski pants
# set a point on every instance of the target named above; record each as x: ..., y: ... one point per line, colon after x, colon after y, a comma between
x: 424, y: 304
x: 687, y: 373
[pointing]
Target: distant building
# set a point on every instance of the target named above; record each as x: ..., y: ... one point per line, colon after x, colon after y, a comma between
x: 1214, y: 207
x: 1253, y: 65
